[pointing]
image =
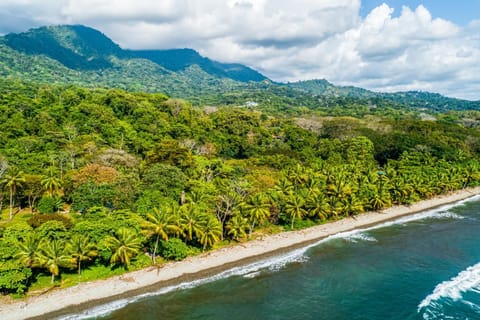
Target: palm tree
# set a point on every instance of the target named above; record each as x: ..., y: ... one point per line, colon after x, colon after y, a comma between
x: 82, y: 249
x: 339, y: 188
x: 380, y: 200
x: 160, y: 224
x: 124, y: 245
x: 298, y: 176
x: 211, y: 233
x: 257, y: 210
x: 284, y: 186
x: 51, y: 183
x: 471, y: 173
x: 294, y: 208
x: 350, y: 206
x: 53, y: 255
x: 28, y: 250
x: 236, y: 227
x: 318, y: 207
x: 191, y: 222
x: 13, y: 181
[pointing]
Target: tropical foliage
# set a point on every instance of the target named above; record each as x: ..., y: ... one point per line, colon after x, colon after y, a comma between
x: 94, y: 178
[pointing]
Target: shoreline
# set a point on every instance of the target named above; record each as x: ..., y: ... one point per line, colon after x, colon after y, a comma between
x: 90, y: 294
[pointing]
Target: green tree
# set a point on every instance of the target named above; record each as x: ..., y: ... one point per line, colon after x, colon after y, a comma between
x: 211, y: 232
x: 318, y: 207
x: 294, y: 208
x: 82, y: 249
x: 236, y: 227
x: 53, y: 255
x: 13, y: 180
x: 28, y: 250
x: 256, y: 209
x: 124, y: 246
x: 51, y: 183
x: 191, y: 222
x: 160, y: 224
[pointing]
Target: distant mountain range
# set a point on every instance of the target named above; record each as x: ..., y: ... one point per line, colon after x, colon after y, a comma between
x: 85, y: 56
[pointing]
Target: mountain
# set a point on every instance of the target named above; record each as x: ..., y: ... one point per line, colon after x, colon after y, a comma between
x: 83, y: 48
x: 84, y: 56
x: 181, y: 59
x: 415, y: 99
x: 76, y: 47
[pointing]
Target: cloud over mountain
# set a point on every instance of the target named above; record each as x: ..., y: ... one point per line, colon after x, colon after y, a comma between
x: 285, y: 40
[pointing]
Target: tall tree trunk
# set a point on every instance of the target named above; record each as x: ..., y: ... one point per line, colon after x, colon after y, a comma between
x: 155, y: 249
x: 53, y: 278
x: 11, y: 204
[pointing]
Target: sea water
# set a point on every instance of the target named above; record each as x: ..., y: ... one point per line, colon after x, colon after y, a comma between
x: 424, y: 266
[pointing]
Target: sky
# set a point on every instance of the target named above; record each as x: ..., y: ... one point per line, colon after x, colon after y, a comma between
x: 390, y: 45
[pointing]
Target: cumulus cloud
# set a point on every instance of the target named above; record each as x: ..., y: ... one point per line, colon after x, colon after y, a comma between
x: 286, y: 40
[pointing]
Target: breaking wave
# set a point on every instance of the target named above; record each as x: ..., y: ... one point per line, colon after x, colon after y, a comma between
x: 453, y: 291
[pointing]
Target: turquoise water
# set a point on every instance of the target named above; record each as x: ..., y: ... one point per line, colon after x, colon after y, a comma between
x: 425, y: 266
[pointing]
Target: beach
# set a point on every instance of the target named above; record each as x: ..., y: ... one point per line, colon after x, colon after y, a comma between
x: 87, y: 295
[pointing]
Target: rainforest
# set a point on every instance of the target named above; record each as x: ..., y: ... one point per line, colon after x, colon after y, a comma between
x: 96, y: 182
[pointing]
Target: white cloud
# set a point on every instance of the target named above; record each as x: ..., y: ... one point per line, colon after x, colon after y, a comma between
x: 287, y: 40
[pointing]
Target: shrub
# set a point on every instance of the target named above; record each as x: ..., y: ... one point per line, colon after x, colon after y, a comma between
x: 53, y: 230
x: 39, y: 219
x: 174, y: 249
x: 50, y: 204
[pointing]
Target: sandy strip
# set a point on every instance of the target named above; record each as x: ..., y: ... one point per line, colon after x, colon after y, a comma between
x: 87, y: 295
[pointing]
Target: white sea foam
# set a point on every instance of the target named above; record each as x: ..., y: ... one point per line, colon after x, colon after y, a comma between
x: 442, y: 212
x: 271, y: 264
x: 360, y: 236
x: 274, y: 263
x: 252, y: 275
x: 467, y: 280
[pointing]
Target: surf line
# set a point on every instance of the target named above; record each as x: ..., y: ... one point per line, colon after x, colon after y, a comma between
x: 275, y: 263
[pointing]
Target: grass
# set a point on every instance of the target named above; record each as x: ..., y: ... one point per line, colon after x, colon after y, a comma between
x: 69, y: 278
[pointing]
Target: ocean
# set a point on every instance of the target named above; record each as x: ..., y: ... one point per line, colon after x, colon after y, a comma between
x: 423, y: 266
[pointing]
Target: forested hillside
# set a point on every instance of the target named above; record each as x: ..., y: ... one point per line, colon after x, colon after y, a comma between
x: 92, y: 179
x: 84, y: 56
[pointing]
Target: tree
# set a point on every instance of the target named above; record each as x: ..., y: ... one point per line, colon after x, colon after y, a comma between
x: 53, y: 255
x: 256, y: 209
x: 51, y: 183
x: 124, y: 246
x: 3, y: 166
x: 236, y: 227
x: 318, y: 207
x: 191, y: 222
x: 33, y: 189
x: 160, y: 224
x: 211, y: 232
x: 28, y: 250
x: 225, y: 205
x: 13, y: 181
x: 170, y: 181
x: 294, y: 208
x: 82, y: 249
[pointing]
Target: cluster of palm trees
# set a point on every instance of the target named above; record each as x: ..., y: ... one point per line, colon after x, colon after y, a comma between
x: 14, y: 179
x: 53, y: 254
x: 322, y: 192
x: 187, y: 222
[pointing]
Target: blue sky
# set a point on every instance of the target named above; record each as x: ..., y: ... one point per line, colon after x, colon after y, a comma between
x: 461, y: 12
x: 433, y: 45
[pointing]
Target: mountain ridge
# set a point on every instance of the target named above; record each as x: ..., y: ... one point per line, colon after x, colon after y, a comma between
x: 83, y: 48
x: 81, y: 55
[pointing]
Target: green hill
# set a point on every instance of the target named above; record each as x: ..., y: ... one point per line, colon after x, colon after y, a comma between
x: 416, y: 99
x: 84, y: 56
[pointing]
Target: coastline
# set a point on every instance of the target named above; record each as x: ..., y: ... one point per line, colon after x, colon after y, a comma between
x: 91, y: 294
